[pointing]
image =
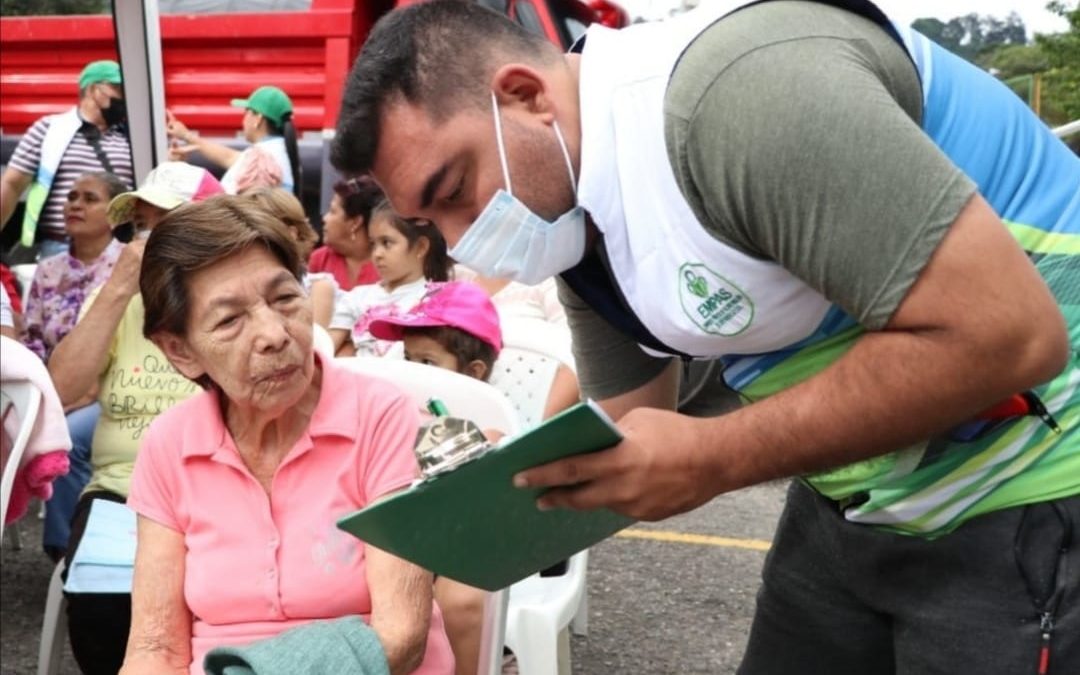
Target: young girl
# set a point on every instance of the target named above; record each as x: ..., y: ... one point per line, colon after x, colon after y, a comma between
x: 453, y: 326
x: 407, y: 256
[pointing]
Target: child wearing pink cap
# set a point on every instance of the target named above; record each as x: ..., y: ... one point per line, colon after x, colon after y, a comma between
x: 454, y: 326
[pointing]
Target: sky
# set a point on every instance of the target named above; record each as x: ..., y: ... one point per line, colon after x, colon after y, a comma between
x: 1033, y: 12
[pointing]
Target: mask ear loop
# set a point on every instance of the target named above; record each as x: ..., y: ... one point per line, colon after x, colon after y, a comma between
x: 502, y: 148
x: 566, y: 156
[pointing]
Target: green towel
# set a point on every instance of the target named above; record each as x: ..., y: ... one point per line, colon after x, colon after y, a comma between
x: 346, y: 645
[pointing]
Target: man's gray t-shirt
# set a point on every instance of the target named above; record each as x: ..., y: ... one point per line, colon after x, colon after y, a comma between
x: 793, y: 132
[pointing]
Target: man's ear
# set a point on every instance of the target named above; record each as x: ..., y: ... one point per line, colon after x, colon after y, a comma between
x: 179, y: 354
x: 519, y: 86
x: 476, y: 369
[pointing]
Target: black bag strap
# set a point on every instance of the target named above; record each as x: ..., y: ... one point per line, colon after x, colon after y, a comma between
x: 594, y: 282
x: 93, y: 137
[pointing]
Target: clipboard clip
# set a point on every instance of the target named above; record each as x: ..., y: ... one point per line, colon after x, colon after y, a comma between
x: 445, y: 443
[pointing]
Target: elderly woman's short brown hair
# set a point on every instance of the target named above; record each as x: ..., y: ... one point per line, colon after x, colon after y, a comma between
x: 284, y: 206
x: 196, y: 236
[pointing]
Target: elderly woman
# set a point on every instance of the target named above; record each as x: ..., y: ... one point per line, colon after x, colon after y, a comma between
x: 237, y: 489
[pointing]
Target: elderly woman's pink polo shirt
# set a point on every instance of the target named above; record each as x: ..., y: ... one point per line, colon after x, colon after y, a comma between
x: 259, y: 564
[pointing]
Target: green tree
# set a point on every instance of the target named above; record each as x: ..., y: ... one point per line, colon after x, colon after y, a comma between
x: 935, y: 30
x: 996, y: 33
x: 1049, y: 66
x: 1061, y: 80
x: 972, y: 35
x: 54, y: 7
x: 1011, y: 61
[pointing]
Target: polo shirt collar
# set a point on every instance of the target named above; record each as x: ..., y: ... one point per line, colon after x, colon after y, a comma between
x: 334, y: 415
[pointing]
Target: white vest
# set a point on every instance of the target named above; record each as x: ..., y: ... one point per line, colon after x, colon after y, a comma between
x: 692, y: 292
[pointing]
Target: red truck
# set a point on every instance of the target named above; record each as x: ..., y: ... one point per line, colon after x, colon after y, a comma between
x: 212, y: 57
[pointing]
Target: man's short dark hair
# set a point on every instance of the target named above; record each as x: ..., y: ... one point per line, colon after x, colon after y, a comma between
x: 439, y: 55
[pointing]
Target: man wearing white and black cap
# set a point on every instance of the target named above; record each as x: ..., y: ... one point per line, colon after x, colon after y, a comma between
x: 57, y: 149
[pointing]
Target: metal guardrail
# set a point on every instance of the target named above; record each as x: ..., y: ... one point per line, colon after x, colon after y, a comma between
x: 1066, y: 130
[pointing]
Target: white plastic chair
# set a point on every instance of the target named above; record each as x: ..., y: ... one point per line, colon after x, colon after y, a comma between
x: 550, y: 339
x: 541, y: 609
x: 473, y: 400
x: 541, y: 614
x: 525, y: 378
x: 25, y: 275
x: 53, y: 625
x: 321, y: 340
x: 22, y: 399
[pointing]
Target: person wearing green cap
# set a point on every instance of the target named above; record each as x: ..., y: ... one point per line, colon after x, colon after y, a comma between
x: 267, y: 125
x: 89, y: 137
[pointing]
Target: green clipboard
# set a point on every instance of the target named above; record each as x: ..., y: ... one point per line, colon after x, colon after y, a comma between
x: 472, y: 525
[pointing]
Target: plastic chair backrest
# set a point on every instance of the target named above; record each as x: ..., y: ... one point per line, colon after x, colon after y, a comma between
x: 464, y: 396
x: 321, y: 340
x: 23, y: 400
x: 525, y: 378
x: 550, y: 339
x: 25, y: 275
x: 469, y: 399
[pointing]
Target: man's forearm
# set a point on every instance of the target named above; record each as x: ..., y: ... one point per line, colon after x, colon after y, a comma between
x: 8, y: 200
x: 79, y: 358
x: 891, y: 390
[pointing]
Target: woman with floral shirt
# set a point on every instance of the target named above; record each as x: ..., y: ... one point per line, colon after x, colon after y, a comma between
x: 62, y: 282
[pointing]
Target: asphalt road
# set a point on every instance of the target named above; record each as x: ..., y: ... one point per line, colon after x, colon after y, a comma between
x: 671, y: 598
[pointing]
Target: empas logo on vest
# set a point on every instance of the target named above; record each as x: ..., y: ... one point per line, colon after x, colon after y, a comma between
x: 713, y: 303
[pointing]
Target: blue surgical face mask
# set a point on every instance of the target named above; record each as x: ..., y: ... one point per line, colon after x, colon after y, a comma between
x: 509, y: 241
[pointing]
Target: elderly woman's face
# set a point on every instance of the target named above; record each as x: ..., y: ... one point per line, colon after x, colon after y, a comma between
x: 250, y: 331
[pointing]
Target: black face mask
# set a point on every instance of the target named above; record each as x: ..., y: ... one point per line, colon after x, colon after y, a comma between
x: 116, y: 112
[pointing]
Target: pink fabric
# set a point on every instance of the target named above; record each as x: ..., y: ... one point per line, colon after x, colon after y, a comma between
x: 207, y: 187
x: 260, y: 170
x: 259, y: 564
x: 457, y: 304
x: 35, y: 480
x: 40, y: 464
x: 326, y: 259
